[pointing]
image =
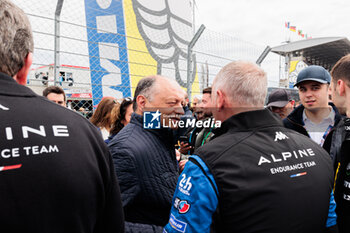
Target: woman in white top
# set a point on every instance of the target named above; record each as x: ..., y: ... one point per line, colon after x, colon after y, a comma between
x: 102, y: 117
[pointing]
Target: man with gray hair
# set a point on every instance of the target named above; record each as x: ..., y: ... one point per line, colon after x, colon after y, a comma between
x: 144, y: 154
x: 56, y: 173
x: 254, y: 175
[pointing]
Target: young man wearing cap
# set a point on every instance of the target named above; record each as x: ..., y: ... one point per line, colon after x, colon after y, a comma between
x: 315, y: 117
x: 340, y: 87
x: 280, y: 102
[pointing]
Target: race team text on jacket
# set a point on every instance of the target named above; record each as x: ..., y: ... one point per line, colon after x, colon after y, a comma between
x: 56, y: 174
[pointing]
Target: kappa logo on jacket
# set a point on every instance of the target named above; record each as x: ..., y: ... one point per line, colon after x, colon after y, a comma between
x: 2, y: 107
x: 280, y: 136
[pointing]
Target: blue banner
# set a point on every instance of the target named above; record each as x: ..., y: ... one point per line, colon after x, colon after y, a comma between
x: 107, y: 49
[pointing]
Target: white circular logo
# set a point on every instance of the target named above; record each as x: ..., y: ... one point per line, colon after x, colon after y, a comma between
x: 104, y: 4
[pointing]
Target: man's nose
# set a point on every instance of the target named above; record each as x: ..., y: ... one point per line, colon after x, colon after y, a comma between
x: 308, y: 93
x: 179, y: 110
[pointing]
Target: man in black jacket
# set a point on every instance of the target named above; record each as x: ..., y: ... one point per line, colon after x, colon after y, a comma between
x: 144, y: 154
x: 199, y: 136
x: 188, y: 116
x: 254, y: 175
x: 315, y: 117
x: 340, y: 87
x: 56, y: 174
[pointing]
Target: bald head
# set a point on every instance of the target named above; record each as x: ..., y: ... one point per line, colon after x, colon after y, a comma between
x: 152, y: 86
x: 144, y: 88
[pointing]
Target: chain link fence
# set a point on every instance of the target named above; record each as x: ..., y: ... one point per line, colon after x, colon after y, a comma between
x: 99, y: 48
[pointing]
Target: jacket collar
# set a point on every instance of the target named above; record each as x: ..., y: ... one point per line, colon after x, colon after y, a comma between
x: 8, y: 86
x: 248, y: 121
x: 296, y: 116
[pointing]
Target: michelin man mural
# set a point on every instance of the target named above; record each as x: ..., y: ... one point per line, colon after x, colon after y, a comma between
x: 131, y: 39
x: 295, y: 67
x: 165, y: 26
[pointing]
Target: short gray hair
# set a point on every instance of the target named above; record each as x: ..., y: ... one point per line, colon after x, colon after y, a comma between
x: 16, y: 39
x: 144, y: 87
x: 243, y: 82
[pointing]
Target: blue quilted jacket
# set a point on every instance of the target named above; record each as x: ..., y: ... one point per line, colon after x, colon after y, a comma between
x: 147, y: 170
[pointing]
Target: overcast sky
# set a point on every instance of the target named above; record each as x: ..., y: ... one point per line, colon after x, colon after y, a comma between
x: 263, y: 22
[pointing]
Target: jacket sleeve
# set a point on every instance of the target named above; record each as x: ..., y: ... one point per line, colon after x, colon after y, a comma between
x: 125, y: 167
x: 195, y: 199
x: 112, y: 216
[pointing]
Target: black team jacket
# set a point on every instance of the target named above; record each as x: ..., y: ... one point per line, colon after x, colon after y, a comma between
x: 341, y: 150
x: 56, y: 173
x: 269, y: 178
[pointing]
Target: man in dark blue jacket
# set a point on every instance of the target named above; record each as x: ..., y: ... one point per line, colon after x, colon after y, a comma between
x: 315, y: 117
x: 254, y: 175
x: 144, y: 154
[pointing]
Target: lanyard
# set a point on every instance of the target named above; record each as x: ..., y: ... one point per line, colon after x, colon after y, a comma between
x: 205, y: 138
x: 327, y: 131
x: 325, y: 134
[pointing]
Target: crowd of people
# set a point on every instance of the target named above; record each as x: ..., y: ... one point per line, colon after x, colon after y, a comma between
x: 244, y: 166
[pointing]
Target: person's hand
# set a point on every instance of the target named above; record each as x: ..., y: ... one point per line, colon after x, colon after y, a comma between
x: 184, y: 147
x: 182, y: 164
x: 178, y: 155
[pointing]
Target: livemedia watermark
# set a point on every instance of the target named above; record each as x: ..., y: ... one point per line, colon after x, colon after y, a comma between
x: 153, y: 120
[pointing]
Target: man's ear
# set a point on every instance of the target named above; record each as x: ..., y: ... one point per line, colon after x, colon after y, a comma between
x: 141, y: 102
x: 340, y: 87
x: 220, y: 100
x: 21, y: 76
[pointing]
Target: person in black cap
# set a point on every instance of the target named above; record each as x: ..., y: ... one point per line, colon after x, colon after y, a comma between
x: 315, y: 117
x: 280, y: 102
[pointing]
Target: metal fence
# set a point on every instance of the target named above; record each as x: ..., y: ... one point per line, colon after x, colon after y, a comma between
x: 98, y: 48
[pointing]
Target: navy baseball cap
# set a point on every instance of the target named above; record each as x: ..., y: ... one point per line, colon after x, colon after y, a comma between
x: 313, y: 73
